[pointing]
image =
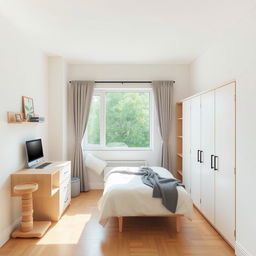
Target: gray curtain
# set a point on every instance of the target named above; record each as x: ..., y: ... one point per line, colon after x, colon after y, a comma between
x: 80, y: 97
x: 163, y: 93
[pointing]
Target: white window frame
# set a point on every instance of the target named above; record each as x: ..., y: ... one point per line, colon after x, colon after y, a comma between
x: 102, y: 146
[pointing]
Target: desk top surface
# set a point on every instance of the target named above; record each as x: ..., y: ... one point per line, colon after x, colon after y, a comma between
x: 49, y: 169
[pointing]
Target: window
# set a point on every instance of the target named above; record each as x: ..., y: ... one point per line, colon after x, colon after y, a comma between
x: 93, y: 128
x: 120, y: 120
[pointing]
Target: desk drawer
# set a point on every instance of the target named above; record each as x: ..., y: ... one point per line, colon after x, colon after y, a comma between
x: 65, y: 195
x: 65, y: 173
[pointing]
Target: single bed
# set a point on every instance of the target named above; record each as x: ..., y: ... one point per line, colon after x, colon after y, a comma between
x: 125, y: 195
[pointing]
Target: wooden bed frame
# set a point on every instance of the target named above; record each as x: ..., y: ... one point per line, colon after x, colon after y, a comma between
x: 177, y: 216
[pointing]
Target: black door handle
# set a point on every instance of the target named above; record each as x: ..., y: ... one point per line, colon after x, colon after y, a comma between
x: 216, y: 163
x: 212, y: 161
x: 198, y: 155
x: 201, y: 158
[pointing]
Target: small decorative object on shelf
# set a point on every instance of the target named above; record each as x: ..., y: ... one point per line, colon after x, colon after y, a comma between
x: 28, y: 107
x: 36, y: 119
x: 18, y: 117
x: 13, y: 117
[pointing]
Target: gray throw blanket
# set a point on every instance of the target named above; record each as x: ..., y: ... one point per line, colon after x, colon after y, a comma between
x: 162, y: 187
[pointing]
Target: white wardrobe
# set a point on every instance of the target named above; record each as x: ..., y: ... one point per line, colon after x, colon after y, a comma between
x: 209, y: 156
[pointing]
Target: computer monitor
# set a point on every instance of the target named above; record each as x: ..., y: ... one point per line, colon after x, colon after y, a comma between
x: 34, y: 151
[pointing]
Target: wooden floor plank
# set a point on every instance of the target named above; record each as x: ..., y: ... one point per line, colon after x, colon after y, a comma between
x: 78, y: 233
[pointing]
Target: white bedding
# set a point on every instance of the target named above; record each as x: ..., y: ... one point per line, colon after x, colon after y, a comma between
x: 126, y: 195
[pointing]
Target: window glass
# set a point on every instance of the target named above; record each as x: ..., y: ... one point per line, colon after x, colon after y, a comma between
x: 127, y: 119
x: 93, y: 126
x: 119, y: 120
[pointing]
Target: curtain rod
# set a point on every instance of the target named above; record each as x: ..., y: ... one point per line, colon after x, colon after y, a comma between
x: 123, y: 82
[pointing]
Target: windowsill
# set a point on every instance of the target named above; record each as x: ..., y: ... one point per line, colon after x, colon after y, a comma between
x: 117, y: 149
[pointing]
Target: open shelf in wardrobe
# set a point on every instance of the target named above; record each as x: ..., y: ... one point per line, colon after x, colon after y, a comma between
x: 179, y: 140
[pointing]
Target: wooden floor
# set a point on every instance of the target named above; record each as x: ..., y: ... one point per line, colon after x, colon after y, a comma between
x: 78, y: 233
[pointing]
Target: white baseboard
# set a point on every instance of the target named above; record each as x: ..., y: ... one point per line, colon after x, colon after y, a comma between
x: 96, y: 185
x: 6, y: 233
x: 241, y: 251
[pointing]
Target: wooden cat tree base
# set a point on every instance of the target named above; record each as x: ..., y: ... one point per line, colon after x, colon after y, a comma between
x: 39, y: 229
x: 28, y: 227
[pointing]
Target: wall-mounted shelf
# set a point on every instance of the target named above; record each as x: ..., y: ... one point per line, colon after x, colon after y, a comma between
x: 11, y: 119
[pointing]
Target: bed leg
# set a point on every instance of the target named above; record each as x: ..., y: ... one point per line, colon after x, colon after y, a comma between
x: 120, y: 224
x: 178, y: 224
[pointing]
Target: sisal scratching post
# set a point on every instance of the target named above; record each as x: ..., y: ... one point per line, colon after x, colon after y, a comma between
x: 29, y: 228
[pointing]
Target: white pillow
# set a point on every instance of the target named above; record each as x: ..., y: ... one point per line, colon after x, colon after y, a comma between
x: 107, y: 170
x: 94, y: 163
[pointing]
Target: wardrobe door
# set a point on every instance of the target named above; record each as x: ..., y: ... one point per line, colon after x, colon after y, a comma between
x: 195, y: 150
x: 186, y: 144
x: 207, y: 147
x: 225, y: 161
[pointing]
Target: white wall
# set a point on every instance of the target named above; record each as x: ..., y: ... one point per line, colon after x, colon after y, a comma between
x: 57, y: 105
x: 234, y: 57
x: 23, y: 73
x: 179, y: 73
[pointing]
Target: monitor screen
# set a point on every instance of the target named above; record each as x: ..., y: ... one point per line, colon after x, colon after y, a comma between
x: 34, y: 149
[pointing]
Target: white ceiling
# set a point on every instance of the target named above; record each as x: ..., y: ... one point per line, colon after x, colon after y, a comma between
x: 125, y: 31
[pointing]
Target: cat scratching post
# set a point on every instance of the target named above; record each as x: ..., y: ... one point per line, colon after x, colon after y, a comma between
x: 28, y: 227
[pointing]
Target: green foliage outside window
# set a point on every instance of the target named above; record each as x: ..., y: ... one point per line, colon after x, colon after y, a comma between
x: 127, y: 120
x: 93, y: 127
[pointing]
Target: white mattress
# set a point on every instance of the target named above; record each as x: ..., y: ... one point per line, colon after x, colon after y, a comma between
x: 126, y: 195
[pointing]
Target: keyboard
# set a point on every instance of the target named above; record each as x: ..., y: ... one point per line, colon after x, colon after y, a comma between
x: 42, y: 165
